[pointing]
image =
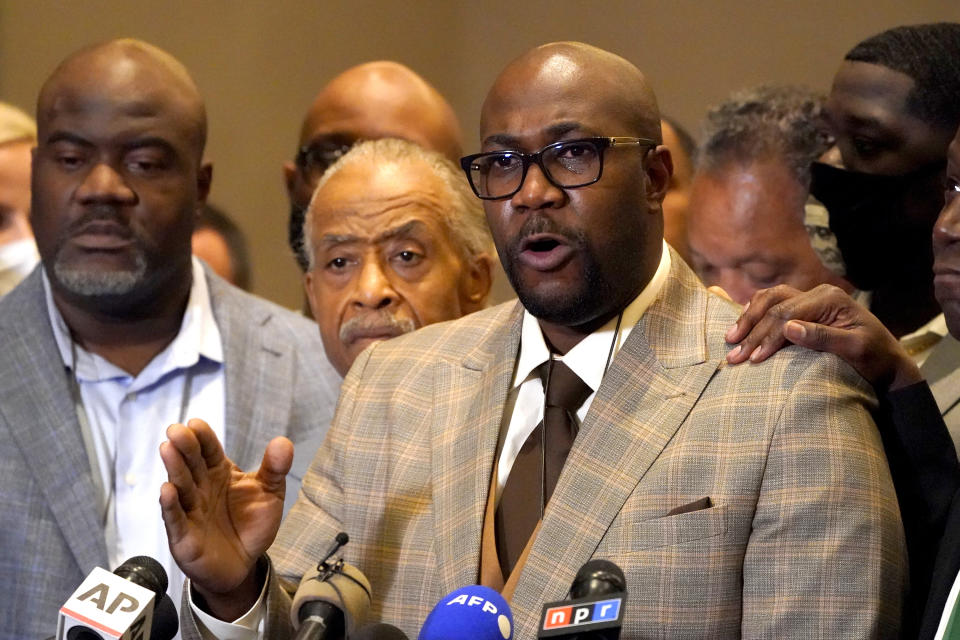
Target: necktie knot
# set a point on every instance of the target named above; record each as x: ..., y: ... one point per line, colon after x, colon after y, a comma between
x: 565, y: 389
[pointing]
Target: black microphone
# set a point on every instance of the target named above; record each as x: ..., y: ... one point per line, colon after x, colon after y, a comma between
x: 379, y: 631
x: 131, y: 602
x: 332, y: 599
x: 595, y: 611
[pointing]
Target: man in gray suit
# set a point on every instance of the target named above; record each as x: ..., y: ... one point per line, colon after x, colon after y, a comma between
x: 121, y: 332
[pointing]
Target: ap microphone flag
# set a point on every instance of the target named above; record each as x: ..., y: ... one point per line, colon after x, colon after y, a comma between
x: 106, y: 606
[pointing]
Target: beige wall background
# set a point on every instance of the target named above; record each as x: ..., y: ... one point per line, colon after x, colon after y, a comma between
x: 259, y: 63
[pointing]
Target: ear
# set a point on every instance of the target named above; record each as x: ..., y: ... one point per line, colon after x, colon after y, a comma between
x: 475, y: 283
x: 289, y: 177
x: 204, y: 180
x: 659, y: 169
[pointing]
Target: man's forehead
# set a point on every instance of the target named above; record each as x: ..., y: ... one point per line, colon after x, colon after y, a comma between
x: 339, y: 228
x: 370, y: 190
x: 358, y: 116
x: 124, y: 81
x: 868, y: 91
x: 134, y: 99
x: 569, y: 81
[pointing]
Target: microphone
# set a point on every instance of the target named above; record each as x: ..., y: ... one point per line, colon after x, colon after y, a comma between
x: 130, y: 603
x: 379, y: 631
x: 595, y: 611
x: 332, y: 600
x: 469, y: 613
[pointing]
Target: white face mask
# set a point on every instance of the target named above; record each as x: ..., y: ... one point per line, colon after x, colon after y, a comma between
x: 17, y: 260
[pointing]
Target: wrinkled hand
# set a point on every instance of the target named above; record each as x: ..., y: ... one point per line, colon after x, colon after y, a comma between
x: 825, y: 319
x: 220, y: 520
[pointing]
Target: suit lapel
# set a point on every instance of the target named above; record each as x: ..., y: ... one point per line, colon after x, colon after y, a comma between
x: 43, y: 423
x: 256, y: 377
x: 646, y: 394
x: 469, y: 397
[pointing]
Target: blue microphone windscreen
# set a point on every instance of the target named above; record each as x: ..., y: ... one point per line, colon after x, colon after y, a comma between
x: 469, y: 613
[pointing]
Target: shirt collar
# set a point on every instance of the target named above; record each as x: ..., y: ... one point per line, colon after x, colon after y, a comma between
x: 588, y: 358
x: 198, y: 337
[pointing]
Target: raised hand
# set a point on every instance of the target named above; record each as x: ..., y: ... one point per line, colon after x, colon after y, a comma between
x: 220, y: 520
x: 825, y: 319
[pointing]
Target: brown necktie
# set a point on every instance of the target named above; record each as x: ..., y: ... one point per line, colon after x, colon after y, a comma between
x: 537, y: 468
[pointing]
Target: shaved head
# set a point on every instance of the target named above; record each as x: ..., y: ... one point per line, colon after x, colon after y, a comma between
x: 576, y: 255
x: 371, y: 101
x: 118, y: 178
x: 578, y: 72
x: 385, y: 99
x: 124, y: 67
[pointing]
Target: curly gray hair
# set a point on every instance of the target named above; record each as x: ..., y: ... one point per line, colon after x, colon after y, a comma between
x: 763, y: 122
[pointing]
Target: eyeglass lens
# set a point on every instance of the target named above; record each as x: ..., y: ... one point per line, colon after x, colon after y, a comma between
x: 567, y: 164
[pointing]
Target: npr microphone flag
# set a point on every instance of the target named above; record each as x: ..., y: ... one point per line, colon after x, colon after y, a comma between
x: 108, y: 605
x: 582, y: 615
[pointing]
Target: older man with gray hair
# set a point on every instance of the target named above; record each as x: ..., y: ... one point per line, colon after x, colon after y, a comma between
x: 395, y: 241
x: 18, y: 251
x: 746, y: 225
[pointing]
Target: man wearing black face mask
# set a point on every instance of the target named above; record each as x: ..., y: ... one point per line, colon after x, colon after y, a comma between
x: 894, y: 106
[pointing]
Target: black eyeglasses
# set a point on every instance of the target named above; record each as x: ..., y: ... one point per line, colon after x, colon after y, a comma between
x: 567, y: 165
x: 313, y: 160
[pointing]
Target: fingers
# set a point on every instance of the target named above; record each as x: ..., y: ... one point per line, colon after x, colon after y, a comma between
x: 765, y: 336
x: 179, y: 474
x: 174, y: 518
x: 210, y: 447
x: 757, y: 309
x: 277, y: 460
x: 818, y: 337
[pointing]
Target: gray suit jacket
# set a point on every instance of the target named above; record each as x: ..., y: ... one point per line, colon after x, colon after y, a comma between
x: 278, y: 382
x: 802, y: 539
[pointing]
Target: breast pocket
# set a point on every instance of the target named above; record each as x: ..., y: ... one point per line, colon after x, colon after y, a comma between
x: 674, y: 530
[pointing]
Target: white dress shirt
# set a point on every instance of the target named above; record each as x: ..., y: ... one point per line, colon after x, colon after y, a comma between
x: 128, y: 416
x: 587, y: 359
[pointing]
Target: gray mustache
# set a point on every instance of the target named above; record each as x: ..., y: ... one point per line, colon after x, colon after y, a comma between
x: 374, y: 320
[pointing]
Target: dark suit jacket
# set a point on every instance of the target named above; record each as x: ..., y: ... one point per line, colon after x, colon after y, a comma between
x: 278, y: 382
x: 923, y: 463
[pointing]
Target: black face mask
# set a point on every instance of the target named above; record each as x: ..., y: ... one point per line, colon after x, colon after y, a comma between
x: 883, y: 224
x: 295, y: 236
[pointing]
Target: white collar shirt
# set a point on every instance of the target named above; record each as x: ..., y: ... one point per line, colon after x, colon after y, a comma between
x: 128, y: 416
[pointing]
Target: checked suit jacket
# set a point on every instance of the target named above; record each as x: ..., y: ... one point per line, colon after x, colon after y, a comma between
x: 278, y: 382
x: 803, y: 538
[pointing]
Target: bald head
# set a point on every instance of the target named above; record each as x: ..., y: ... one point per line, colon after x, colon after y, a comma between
x: 371, y: 101
x: 149, y: 77
x: 577, y: 73
x: 118, y: 178
x: 578, y: 225
x: 384, y: 100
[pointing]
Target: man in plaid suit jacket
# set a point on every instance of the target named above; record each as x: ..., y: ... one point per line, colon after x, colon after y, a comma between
x: 739, y: 501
